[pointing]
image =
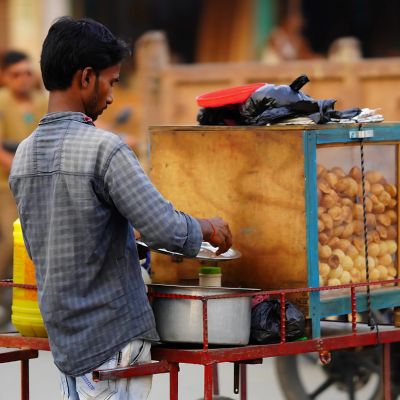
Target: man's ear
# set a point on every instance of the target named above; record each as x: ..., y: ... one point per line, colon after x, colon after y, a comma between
x: 87, y: 77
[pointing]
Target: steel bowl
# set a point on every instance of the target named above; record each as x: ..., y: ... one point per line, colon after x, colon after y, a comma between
x: 181, y: 320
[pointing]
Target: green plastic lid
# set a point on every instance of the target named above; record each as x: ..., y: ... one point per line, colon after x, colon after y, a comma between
x: 210, y: 270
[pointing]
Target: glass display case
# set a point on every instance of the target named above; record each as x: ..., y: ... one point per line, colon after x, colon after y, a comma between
x: 350, y: 212
x: 352, y: 176
x: 294, y: 199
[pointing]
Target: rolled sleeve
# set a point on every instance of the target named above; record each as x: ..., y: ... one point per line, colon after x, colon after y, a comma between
x: 136, y: 198
x: 192, y: 245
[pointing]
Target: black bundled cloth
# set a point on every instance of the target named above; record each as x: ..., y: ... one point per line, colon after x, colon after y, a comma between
x: 266, y: 322
x: 272, y: 104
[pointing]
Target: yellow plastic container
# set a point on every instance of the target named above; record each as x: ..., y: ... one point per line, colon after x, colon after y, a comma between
x: 26, y: 315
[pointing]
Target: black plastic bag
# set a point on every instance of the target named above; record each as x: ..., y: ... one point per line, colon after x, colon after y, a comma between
x: 226, y: 115
x: 272, y: 96
x: 271, y: 104
x: 266, y: 322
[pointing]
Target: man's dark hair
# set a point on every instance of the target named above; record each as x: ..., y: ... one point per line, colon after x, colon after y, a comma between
x: 12, y: 57
x: 72, y: 45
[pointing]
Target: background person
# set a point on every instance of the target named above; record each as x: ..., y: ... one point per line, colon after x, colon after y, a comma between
x: 21, y: 107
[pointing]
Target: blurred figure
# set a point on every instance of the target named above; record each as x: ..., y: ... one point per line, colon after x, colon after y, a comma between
x: 287, y: 41
x: 345, y: 49
x: 21, y: 108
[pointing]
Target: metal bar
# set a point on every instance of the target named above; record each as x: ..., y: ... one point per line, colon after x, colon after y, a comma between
x: 332, y: 343
x: 208, y: 382
x: 381, y: 134
x: 243, y: 382
x: 386, y: 373
x: 253, y: 362
x: 18, y: 355
x: 353, y: 310
x: 21, y: 342
x: 25, y: 379
x: 173, y: 381
x: 10, y: 283
x: 320, y: 389
x: 276, y: 292
x: 283, y: 318
x: 311, y: 200
x: 205, y: 324
x: 215, y: 380
x: 236, y: 378
x: 177, y: 296
x: 245, y: 294
x: 154, y: 368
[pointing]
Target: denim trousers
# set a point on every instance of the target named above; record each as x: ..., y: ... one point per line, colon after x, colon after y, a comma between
x: 138, y: 388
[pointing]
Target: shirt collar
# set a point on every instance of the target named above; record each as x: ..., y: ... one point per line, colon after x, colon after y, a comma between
x: 66, y: 115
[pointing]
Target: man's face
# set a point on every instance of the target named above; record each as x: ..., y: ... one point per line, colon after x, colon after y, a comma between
x: 101, y: 93
x: 19, y: 78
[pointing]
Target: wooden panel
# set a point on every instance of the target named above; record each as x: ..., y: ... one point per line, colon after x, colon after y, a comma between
x: 383, y: 93
x: 4, y: 22
x: 254, y: 178
x: 182, y: 111
x: 332, y: 89
x: 356, y: 83
x: 173, y: 87
x: 219, y: 38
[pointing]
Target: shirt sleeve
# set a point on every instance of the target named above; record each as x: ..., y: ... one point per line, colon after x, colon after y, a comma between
x: 135, y: 197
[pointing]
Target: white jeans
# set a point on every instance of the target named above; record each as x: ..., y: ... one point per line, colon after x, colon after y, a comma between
x: 138, y: 388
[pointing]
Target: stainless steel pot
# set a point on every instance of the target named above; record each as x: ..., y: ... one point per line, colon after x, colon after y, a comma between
x: 180, y: 320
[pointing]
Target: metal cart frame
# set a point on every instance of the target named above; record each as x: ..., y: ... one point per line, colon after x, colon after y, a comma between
x: 168, y: 358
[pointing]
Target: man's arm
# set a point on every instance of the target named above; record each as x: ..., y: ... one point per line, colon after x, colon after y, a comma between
x: 154, y: 217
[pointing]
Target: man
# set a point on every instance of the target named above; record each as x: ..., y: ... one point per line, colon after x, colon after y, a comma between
x: 21, y: 108
x: 79, y: 190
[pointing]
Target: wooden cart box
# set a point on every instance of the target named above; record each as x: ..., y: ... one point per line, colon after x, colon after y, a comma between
x: 263, y: 180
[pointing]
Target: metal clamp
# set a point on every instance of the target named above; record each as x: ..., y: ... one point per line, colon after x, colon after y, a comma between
x: 361, y: 134
x: 324, y: 355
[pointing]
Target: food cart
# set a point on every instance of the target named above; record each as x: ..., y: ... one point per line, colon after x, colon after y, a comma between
x: 290, y: 193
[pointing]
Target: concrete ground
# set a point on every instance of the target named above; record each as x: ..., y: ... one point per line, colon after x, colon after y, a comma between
x: 44, y: 381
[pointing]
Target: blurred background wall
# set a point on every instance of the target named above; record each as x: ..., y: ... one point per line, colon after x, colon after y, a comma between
x: 209, y: 44
x: 24, y: 23
x: 214, y: 30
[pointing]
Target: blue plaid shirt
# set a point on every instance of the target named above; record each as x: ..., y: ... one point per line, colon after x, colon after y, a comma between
x: 79, y: 190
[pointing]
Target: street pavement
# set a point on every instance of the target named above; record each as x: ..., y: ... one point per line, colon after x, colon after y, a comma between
x: 44, y: 381
x: 262, y: 381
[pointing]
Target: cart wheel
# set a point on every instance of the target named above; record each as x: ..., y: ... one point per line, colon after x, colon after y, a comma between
x: 352, y: 375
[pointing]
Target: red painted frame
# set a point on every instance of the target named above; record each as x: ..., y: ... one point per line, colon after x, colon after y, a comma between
x: 169, y: 358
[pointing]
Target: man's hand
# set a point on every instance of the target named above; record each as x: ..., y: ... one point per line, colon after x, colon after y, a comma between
x: 216, y: 232
x: 137, y: 234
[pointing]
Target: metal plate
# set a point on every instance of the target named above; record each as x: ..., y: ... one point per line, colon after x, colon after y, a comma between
x: 206, y: 253
x: 361, y: 134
